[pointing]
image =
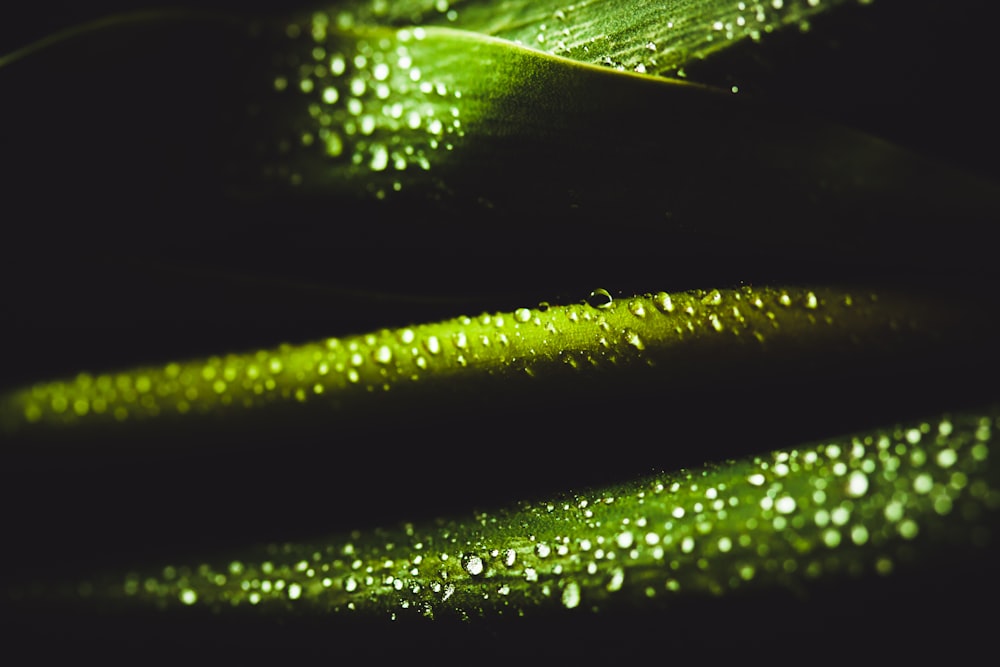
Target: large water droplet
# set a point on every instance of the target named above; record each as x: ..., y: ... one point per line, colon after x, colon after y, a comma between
x: 472, y: 564
x: 600, y: 298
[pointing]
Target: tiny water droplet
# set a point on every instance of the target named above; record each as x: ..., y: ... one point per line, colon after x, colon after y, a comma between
x: 713, y: 298
x: 637, y: 309
x: 634, y: 340
x: 543, y: 306
x: 522, y: 314
x: 663, y: 302
x: 600, y: 298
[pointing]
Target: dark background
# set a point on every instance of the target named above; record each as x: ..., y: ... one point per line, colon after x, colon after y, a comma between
x: 151, y: 264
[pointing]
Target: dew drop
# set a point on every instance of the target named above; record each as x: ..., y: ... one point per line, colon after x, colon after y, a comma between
x: 663, y: 302
x: 522, y: 314
x: 380, y: 157
x: 330, y: 95
x: 634, y: 340
x: 472, y: 564
x: 571, y: 595
x: 337, y: 65
x: 383, y: 354
x: 432, y: 344
x: 637, y: 309
x: 600, y: 298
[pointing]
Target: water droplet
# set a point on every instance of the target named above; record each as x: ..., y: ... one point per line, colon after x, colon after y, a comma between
x: 637, y: 309
x: 600, y: 298
x: 432, y: 344
x: 472, y: 564
x: 188, y: 596
x: 543, y: 306
x: 624, y: 539
x: 383, y: 354
x: 337, y: 65
x: 713, y: 298
x: 663, y: 302
x: 380, y: 157
x: 522, y: 314
x: 571, y: 595
x: 785, y: 505
x: 330, y: 95
x: 334, y: 145
x: 634, y: 340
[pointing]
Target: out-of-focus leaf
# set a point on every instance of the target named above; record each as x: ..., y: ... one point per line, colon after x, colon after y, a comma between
x: 630, y: 35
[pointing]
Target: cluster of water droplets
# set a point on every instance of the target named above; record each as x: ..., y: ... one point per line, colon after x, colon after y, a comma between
x: 657, y: 38
x: 364, y: 105
x: 861, y: 504
x: 599, y: 331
